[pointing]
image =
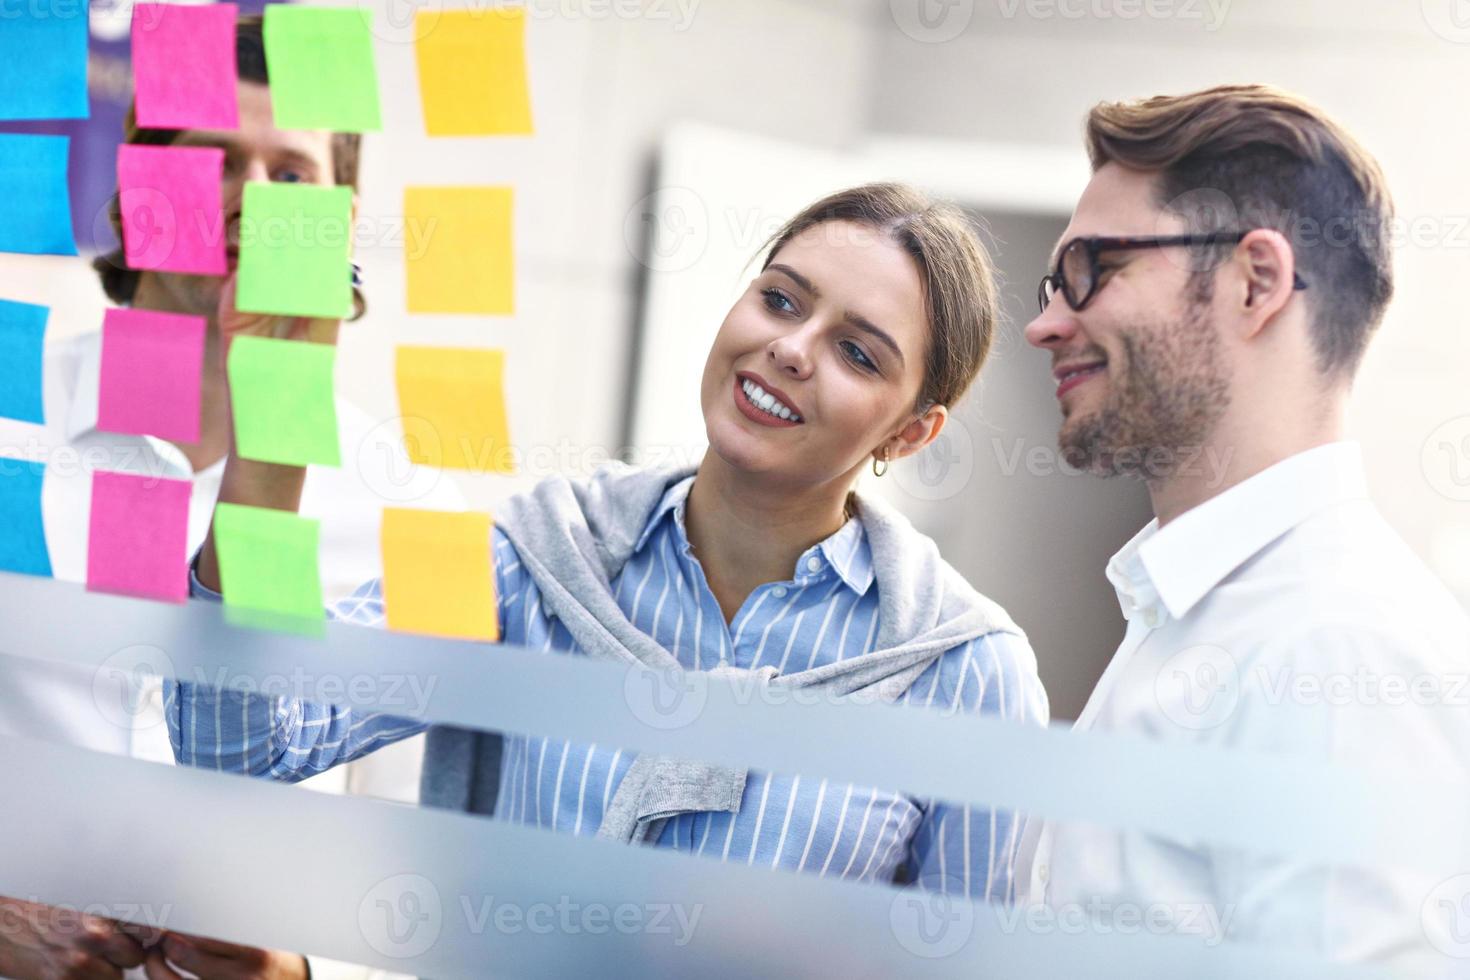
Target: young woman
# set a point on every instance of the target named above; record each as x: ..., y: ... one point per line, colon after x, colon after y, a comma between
x: 872, y: 314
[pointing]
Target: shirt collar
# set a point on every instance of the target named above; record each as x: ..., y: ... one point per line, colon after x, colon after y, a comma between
x: 1180, y: 563
x: 846, y: 551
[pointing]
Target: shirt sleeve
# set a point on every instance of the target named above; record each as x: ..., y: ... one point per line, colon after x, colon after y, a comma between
x: 291, y: 739
x: 969, y: 850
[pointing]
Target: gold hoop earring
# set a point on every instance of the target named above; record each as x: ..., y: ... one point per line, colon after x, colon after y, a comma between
x: 876, y: 470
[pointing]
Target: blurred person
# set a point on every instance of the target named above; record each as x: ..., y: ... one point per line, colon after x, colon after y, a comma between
x: 1211, y: 300
x: 56, y: 701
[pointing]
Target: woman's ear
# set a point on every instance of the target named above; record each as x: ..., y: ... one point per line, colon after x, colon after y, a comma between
x: 918, y: 433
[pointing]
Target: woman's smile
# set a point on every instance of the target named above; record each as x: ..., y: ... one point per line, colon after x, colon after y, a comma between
x: 759, y: 403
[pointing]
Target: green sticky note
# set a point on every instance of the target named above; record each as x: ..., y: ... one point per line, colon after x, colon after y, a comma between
x: 295, y: 251
x: 268, y: 567
x: 282, y: 398
x: 320, y: 61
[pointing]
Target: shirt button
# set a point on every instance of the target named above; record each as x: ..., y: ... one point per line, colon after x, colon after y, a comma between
x: 814, y: 564
x: 1043, y: 873
x: 779, y: 592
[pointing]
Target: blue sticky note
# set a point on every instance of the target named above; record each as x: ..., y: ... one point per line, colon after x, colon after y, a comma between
x: 22, y: 535
x: 22, y: 336
x: 43, y: 61
x: 35, y: 209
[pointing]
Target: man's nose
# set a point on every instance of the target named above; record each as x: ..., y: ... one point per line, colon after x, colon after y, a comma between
x: 253, y: 170
x: 1054, y: 325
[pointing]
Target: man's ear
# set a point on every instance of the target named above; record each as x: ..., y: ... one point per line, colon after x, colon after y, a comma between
x: 917, y: 434
x: 1267, y: 268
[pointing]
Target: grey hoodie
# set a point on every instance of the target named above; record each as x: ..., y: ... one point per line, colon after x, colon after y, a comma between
x: 574, y: 537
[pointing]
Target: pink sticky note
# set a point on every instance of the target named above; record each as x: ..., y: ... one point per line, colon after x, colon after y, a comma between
x: 151, y: 365
x: 139, y: 536
x: 184, y: 71
x: 172, y: 215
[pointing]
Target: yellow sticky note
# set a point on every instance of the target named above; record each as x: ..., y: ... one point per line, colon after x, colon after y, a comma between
x: 452, y: 401
x: 458, y: 250
x: 472, y: 71
x: 437, y: 574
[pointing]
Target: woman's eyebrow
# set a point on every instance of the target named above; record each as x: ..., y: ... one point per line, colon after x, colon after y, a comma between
x: 856, y: 319
x: 868, y: 327
x: 798, y: 278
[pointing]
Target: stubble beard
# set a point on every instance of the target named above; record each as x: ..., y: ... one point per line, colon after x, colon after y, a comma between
x: 1164, y: 402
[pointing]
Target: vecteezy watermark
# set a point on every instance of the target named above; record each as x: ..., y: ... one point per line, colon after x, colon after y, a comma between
x: 932, y: 21
x: 1207, y: 463
x: 1445, y: 917
x: 1198, y: 688
x: 126, y: 688
x: 69, y: 461
x: 1103, y: 917
x: 404, y: 916
x: 944, y: 467
x: 29, y: 917
x: 665, y: 699
x: 1210, y: 13
x: 1445, y: 459
x: 42, y: 9
x: 400, y: 692
x: 931, y: 924
x: 1328, y: 665
x: 156, y: 225
x: 401, y: 916
x: 668, y: 229
x: 405, y: 21
x: 673, y: 697
x: 1449, y: 19
x: 385, y: 464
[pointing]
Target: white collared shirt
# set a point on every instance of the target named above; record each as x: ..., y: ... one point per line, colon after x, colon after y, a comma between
x: 1290, y: 574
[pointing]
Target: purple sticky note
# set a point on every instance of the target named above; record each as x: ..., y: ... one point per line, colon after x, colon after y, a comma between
x: 138, y: 538
x: 151, y: 363
x: 184, y: 71
x: 172, y: 213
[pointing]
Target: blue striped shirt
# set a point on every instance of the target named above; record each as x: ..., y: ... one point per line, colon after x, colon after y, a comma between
x: 827, y: 612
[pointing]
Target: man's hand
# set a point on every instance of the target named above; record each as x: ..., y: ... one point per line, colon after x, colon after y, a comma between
x: 233, y: 323
x: 39, y: 942
x: 255, y: 483
x: 210, y: 959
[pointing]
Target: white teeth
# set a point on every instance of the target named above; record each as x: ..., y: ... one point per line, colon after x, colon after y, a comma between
x: 766, y: 401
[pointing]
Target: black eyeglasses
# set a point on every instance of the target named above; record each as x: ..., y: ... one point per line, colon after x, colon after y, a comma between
x: 1077, y: 276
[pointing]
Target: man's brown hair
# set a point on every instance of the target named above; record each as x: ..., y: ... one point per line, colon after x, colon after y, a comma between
x: 1274, y: 161
x: 118, y: 281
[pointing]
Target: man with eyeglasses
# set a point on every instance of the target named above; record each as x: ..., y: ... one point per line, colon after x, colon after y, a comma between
x: 1213, y: 294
